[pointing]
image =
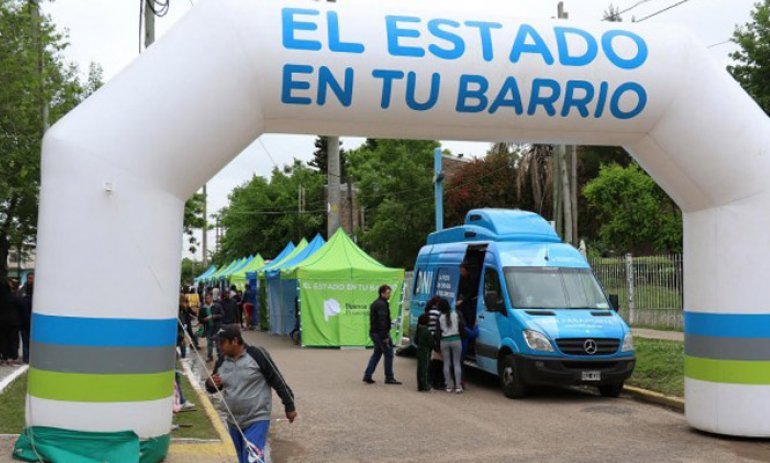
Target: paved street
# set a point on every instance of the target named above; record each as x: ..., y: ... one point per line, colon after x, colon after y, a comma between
x: 343, y: 420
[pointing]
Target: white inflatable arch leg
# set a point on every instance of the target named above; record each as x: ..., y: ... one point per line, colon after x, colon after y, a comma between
x: 117, y: 170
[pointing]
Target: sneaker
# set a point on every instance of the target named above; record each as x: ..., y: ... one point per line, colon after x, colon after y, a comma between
x: 392, y: 381
x: 187, y: 406
x: 459, y: 390
x: 449, y: 389
x: 369, y: 381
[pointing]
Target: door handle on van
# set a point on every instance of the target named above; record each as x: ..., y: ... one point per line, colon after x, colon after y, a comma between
x: 481, y: 317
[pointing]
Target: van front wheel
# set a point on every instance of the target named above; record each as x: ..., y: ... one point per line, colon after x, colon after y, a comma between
x: 611, y: 390
x: 510, y: 379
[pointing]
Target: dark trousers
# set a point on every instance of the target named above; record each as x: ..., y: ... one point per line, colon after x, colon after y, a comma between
x: 9, y: 342
x: 25, y: 344
x: 437, y: 374
x: 382, y: 346
x: 423, y: 373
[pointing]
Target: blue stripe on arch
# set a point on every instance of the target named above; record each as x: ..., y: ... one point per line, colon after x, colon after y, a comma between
x: 727, y: 325
x: 105, y: 332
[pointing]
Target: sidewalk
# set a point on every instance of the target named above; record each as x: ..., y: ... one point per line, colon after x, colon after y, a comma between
x: 658, y: 334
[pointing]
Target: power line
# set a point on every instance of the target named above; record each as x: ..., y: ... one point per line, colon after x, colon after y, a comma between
x: 617, y: 15
x: 720, y: 43
x: 662, y: 11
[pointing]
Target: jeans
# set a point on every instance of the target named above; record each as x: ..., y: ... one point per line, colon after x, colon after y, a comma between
x: 381, y: 346
x: 256, y: 433
x: 212, y: 340
x: 451, y: 351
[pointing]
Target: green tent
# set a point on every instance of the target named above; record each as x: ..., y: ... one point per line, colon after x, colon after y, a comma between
x: 337, y: 285
x: 239, y: 277
x: 221, y: 271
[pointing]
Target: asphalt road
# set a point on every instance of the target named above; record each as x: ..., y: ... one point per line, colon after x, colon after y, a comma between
x: 343, y: 420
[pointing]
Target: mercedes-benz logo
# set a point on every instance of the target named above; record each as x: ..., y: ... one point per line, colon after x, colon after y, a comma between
x: 590, y: 346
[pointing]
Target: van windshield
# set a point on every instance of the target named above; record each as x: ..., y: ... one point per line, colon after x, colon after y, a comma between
x: 554, y: 288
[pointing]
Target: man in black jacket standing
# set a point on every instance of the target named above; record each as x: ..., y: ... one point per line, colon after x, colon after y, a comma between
x: 379, y: 331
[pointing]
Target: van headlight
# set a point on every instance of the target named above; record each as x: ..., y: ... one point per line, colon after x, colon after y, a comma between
x: 537, y: 341
x: 628, y: 342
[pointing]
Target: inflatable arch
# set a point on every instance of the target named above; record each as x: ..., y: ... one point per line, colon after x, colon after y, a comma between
x: 117, y: 170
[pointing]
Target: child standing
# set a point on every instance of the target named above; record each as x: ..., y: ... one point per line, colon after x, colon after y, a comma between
x: 424, y: 341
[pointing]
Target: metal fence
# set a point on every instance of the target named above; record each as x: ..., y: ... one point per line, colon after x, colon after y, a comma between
x: 649, y: 288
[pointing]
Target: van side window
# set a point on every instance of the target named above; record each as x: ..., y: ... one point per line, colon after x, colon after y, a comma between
x: 491, y: 281
x: 492, y: 284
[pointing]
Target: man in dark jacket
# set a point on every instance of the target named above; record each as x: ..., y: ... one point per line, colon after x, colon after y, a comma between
x: 379, y: 331
x: 245, y: 375
x: 229, y: 309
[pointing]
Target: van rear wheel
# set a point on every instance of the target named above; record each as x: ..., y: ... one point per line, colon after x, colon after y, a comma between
x: 510, y: 378
x: 611, y: 390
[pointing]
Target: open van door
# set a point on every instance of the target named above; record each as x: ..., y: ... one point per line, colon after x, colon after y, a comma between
x: 490, y: 307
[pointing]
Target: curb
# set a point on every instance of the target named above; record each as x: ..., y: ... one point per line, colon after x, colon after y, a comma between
x: 677, y: 403
x: 222, y: 448
x: 12, y: 377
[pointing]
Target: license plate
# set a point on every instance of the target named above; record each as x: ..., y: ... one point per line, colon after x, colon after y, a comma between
x: 591, y: 375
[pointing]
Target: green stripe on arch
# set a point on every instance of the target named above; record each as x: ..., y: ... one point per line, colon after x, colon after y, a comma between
x: 727, y: 371
x: 81, y: 387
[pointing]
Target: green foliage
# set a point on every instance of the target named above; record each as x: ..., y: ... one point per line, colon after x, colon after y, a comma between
x: 635, y: 214
x: 264, y: 215
x: 754, y: 55
x: 12, y: 406
x: 190, y: 270
x: 485, y: 182
x: 320, y: 159
x: 36, y: 88
x: 395, y: 181
x: 659, y: 366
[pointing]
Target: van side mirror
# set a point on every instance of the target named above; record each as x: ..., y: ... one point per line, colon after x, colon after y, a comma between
x: 494, y: 302
x: 614, y: 302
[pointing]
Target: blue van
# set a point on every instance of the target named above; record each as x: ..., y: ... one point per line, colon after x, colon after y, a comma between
x: 541, y: 316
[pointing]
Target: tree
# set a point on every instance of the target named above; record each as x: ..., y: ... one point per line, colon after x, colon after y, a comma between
x: 485, y: 182
x: 612, y: 14
x: 754, y: 56
x: 321, y: 159
x: 36, y: 88
x: 264, y: 215
x: 636, y: 215
x: 395, y: 180
x: 193, y: 219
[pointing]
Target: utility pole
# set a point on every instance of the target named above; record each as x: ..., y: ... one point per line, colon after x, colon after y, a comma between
x: 204, y: 240
x: 561, y: 170
x: 333, y: 182
x: 37, y: 32
x: 574, y: 200
x: 438, y: 189
x: 149, y: 24
x: 333, y: 175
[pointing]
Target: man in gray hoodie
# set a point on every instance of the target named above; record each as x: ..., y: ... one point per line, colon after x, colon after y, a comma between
x: 245, y: 375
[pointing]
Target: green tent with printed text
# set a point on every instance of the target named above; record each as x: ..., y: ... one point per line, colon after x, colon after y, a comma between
x: 337, y: 285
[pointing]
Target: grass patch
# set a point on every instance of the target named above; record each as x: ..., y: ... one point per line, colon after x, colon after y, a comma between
x: 659, y: 366
x: 193, y: 424
x: 12, y: 406
x: 12, y: 412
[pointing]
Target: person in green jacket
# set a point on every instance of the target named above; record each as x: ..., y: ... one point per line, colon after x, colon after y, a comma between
x: 424, y: 340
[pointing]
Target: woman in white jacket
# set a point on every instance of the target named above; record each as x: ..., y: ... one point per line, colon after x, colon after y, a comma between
x: 450, y: 327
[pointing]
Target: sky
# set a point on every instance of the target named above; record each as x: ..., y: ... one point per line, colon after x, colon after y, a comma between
x: 107, y: 33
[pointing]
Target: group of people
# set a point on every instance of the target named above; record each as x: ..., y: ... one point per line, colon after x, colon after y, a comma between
x: 15, y: 320
x: 444, y: 337
x: 442, y: 340
x: 218, y: 308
